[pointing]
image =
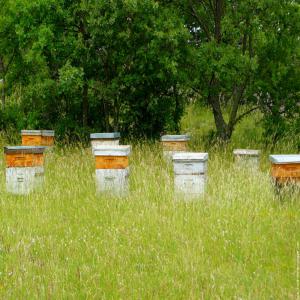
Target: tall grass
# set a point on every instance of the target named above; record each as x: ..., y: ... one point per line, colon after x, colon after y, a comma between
x: 65, y: 242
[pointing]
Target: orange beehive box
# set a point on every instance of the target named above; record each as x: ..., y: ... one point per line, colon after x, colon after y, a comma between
x: 48, y: 138
x: 24, y: 156
x: 37, y: 137
x: 112, y: 157
x: 175, y: 142
x: 31, y: 137
x: 285, y: 168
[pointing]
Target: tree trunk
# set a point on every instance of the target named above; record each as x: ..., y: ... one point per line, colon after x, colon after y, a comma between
x: 85, y: 104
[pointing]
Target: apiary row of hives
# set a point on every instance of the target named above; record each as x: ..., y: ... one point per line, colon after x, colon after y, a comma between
x: 25, y: 164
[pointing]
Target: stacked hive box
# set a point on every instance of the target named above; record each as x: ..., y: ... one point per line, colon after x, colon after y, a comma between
x: 24, y: 168
x: 112, y: 169
x: 285, y: 168
x: 174, y: 143
x: 190, y: 170
x: 31, y: 137
x: 100, y: 139
x: 48, y: 138
x: 37, y: 138
x: 246, y: 157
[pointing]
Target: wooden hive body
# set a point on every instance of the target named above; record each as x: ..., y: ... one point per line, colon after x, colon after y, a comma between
x: 37, y: 138
x: 24, y: 169
x: 190, y: 174
x: 100, y: 139
x: 112, y: 169
x: 247, y: 158
x: 285, y: 168
x: 174, y: 143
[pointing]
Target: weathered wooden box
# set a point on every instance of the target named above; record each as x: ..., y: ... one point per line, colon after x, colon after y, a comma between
x: 247, y: 158
x: 32, y: 137
x: 112, y: 168
x: 37, y: 138
x: 24, y: 168
x: 190, y: 173
x: 108, y: 138
x: 285, y: 168
x: 174, y: 143
x: 48, y: 138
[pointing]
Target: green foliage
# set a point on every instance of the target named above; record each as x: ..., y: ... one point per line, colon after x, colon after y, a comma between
x: 246, y: 52
x: 113, y: 65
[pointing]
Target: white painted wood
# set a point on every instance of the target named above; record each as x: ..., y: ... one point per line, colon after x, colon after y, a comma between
x: 190, y: 186
x: 285, y: 159
x: 190, y: 167
x: 48, y: 132
x: 113, y: 181
x: 105, y: 135
x: 31, y: 132
x: 175, y: 138
x: 112, y: 150
x: 247, y: 158
x: 246, y: 152
x: 22, y: 181
x: 98, y: 143
x: 190, y: 156
x: 190, y: 163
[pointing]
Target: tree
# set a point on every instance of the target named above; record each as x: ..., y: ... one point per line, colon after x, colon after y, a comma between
x: 113, y: 65
x: 229, y: 39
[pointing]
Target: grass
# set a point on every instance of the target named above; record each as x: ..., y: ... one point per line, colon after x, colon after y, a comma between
x: 65, y: 242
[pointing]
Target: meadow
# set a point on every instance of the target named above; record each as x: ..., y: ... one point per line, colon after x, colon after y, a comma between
x: 241, y: 240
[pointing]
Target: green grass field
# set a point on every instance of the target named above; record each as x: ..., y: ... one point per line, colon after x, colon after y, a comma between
x: 240, y: 241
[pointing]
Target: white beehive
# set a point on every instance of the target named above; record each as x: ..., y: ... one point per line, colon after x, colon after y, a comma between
x: 112, y: 169
x: 108, y: 138
x: 24, y: 169
x: 174, y: 143
x: 190, y: 173
x: 247, y: 158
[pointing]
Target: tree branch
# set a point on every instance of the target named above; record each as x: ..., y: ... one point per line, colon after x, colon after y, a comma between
x: 240, y: 117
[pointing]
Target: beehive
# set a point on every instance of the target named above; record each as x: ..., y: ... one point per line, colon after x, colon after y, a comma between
x: 24, y: 168
x: 108, y: 138
x: 247, y: 157
x: 48, y: 138
x: 37, y: 138
x: 174, y: 143
x: 190, y: 174
x: 31, y: 137
x: 112, y: 169
x: 285, y: 168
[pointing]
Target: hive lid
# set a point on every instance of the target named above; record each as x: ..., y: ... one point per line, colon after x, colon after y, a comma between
x: 285, y: 159
x: 175, y: 138
x: 48, y: 132
x: 105, y: 135
x: 112, y: 150
x: 24, y: 149
x: 248, y: 152
x: 190, y: 156
x: 31, y: 132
